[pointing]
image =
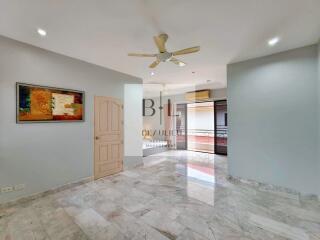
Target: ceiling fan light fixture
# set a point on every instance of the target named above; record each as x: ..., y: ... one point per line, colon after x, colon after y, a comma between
x: 181, y: 64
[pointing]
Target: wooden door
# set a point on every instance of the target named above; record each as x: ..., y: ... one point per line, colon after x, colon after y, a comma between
x: 108, y: 131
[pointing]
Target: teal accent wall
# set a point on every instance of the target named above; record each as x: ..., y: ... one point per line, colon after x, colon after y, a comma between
x: 273, y: 110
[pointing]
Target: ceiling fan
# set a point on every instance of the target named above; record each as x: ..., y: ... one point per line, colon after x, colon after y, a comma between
x: 164, y: 55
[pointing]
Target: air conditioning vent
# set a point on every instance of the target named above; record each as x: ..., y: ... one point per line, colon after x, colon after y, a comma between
x: 199, y: 95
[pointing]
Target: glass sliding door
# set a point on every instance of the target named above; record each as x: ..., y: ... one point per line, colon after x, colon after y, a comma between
x: 201, y: 127
x: 220, y: 127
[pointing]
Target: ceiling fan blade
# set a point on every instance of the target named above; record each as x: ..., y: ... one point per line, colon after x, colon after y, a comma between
x: 160, y: 41
x: 141, y: 55
x: 186, y: 51
x: 178, y: 62
x: 154, y: 64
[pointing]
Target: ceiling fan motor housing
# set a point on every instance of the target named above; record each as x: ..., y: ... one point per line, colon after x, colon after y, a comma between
x: 164, y: 57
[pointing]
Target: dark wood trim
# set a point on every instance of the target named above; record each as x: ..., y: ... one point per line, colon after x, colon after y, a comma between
x: 215, y: 126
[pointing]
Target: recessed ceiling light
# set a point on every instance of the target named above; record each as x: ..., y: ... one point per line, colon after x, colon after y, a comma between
x: 41, y: 32
x: 273, y: 41
x: 152, y: 73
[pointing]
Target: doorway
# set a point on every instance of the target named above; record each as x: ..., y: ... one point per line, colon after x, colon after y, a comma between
x: 201, y: 126
x: 108, y: 136
x: 221, y: 127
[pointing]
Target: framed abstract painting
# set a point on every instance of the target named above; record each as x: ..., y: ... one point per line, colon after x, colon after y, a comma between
x: 48, y: 104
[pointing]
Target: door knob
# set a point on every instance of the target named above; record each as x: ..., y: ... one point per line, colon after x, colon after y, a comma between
x: 97, y: 138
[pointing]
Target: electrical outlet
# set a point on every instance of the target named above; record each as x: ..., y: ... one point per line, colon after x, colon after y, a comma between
x: 7, y: 189
x: 19, y: 187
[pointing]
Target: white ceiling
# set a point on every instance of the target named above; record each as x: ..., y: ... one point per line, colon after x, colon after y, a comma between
x: 104, y: 31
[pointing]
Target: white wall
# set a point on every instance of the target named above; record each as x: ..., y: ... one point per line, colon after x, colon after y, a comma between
x: 318, y: 174
x: 133, y: 125
x: 153, y: 122
x: 273, y: 107
x: 47, y: 155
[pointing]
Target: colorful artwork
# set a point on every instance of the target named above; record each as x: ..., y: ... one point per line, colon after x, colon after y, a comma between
x: 46, y: 104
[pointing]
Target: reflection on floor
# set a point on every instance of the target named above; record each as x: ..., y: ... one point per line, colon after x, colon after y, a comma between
x: 176, y: 195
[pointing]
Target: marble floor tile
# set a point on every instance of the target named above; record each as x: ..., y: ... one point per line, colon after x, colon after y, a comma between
x: 177, y: 195
x: 131, y: 174
x: 96, y: 227
x: 278, y: 228
x: 134, y: 228
x: 163, y: 223
x: 187, y: 234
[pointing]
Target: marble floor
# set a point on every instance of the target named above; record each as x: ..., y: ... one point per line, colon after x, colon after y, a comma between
x: 175, y: 195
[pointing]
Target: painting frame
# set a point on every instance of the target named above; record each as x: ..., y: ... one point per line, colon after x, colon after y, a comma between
x: 19, y: 121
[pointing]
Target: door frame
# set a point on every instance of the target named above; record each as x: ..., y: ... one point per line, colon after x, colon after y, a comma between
x: 215, y: 125
x: 215, y: 122
x: 94, y: 132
